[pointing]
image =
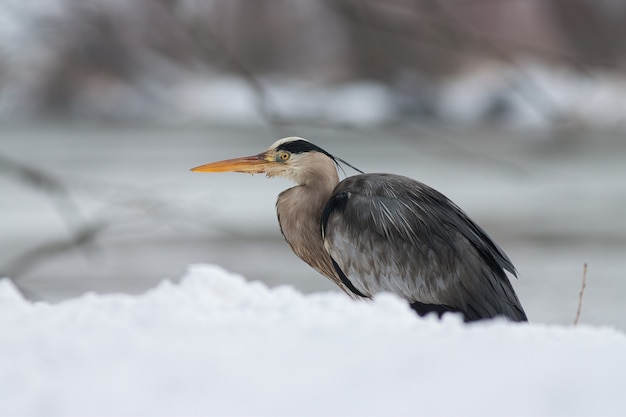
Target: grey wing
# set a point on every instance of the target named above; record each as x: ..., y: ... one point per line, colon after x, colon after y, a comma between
x: 390, y: 233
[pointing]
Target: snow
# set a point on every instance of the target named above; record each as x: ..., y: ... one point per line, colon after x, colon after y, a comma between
x: 528, y: 96
x: 216, y: 344
x: 229, y: 100
x: 534, y: 95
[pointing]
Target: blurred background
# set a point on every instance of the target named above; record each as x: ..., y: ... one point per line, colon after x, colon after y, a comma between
x: 515, y: 109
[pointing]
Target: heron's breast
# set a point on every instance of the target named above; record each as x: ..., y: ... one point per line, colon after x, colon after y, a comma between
x: 299, y: 220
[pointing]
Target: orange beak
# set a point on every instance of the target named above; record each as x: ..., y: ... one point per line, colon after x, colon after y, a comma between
x: 255, y: 164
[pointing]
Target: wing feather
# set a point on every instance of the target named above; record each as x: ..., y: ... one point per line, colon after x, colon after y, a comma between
x: 390, y: 233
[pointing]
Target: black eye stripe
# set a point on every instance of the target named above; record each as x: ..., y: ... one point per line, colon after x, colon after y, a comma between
x: 301, y: 146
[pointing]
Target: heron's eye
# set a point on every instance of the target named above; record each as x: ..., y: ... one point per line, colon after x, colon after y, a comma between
x: 283, y: 156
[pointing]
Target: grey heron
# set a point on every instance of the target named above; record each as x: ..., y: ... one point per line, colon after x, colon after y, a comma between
x: 373, y: 233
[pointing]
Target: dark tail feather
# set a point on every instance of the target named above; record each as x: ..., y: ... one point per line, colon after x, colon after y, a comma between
x: 469, y: 316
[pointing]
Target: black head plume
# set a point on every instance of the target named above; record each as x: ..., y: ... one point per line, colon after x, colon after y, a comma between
x: 301, y: 146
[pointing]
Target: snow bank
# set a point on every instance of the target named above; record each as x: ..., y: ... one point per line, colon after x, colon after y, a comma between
x: 534, y: 95
x: 218, y: 345
x: 230, y: 100
x: 526, y: 96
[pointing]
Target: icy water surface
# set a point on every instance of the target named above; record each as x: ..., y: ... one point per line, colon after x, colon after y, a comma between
x: 553, y: 203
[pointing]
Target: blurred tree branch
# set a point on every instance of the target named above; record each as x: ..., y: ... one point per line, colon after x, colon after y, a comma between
x: 140, y: 210
x: 44, y: 182
x: 79, y: 239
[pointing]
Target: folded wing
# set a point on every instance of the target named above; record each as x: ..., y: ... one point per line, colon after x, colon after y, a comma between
x: 390, y: 233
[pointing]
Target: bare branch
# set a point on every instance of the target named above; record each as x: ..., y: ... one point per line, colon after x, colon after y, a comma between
x: 199, y: 42
x: 43, y: 181
x: 83, y: 236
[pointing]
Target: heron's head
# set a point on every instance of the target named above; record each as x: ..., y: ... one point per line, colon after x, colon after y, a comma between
x: 294, y: 158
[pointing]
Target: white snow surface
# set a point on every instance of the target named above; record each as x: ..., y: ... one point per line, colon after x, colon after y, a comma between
x: 216, y: 344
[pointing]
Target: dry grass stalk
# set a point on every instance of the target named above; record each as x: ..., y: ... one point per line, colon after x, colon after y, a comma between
x: 580, y: 295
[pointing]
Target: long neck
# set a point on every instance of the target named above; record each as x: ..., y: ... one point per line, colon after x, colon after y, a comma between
x: 299, y: 215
